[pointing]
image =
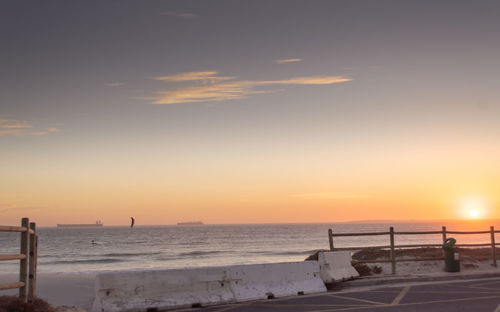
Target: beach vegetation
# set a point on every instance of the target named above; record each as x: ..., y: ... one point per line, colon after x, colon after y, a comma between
x: 377, y: 269
x: 14, y: 304
x: 466, y: 254
x: 363, y: 269
x: 469, y: 257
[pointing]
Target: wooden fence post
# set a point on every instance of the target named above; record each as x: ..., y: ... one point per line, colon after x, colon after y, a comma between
x: 33, y: 258
x: 493, y: 246
x: 23, y: 268
x: 392, y: 254
x: 444, y: 238
x: 330, y: 238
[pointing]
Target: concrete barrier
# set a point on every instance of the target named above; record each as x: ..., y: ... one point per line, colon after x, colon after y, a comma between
x: 142, y: 290
x: 273, y: 280
x: 336, y: 266
x: 131, y: 291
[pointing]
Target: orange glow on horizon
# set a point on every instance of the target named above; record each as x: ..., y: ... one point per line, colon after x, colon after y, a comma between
x: 249, y: 188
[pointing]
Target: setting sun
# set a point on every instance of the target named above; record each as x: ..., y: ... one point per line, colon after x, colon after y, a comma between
x: 474, y: 213
x: 474, y: 208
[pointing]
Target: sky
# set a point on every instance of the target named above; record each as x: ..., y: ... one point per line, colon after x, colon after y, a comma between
x: 248, y: 111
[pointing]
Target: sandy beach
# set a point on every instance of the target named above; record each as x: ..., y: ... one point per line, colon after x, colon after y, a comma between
x: 60, y: 289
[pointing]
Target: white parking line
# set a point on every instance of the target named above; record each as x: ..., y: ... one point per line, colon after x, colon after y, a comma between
x: 497, y: 309
x: 401, y: 295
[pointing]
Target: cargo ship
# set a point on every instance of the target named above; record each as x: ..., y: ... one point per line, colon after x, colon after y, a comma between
x: 96, y: 224
x: 190, y: 223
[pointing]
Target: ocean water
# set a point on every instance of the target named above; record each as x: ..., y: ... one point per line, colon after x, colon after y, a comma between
x: 121, y: 248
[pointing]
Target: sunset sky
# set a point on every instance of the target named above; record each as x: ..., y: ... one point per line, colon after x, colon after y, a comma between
x: 248, y: 111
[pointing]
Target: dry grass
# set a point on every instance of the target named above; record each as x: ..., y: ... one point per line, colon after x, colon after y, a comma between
x: 13, y: 304
x: 469, y: 257
x: 466, y: 254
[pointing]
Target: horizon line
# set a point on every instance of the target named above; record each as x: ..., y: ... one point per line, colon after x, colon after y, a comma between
x: 285, y: 223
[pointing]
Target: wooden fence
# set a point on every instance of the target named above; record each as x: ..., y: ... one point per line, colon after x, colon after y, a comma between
x: 392, y: 256
x: 27, y: 257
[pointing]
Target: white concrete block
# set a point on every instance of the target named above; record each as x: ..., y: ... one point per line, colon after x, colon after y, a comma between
x: 336, y: 266
x: 139, y: 290
x: 131, y: 291
x: 261, y: 281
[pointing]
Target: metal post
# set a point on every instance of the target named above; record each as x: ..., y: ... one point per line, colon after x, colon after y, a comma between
x: 330, y: 238
x: 444, y: 239
x: 33, y: 257
x: 493, y: 246
x: 393, y: 256
x: 23, y: 269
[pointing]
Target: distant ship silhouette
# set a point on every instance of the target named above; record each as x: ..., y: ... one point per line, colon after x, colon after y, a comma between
x: 190, y: 223
x: 96, y: 224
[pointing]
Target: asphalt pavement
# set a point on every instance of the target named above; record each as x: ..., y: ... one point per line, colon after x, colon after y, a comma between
x: 450, y: 296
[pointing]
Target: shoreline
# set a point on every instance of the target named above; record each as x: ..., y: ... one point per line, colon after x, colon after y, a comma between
x: 76, y: 290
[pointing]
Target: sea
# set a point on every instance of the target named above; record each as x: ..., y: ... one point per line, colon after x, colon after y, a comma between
x: 70, y: 250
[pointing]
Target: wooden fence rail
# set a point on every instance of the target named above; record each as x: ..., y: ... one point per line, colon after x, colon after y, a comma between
x: 28, y: 259
x: 392, y: 256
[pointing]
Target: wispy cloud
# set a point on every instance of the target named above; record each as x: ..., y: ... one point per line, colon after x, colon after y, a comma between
x: 114, y: 84
x: 179, y: 15
x: 289, y: 60
x: 221, y: 88
x: 331, y: 195
x: 14, y: 207
x: 312, y: 80
x: 205, y: 93
x: 11, y: 126
x: 44, y: 131
x: 22, y: 127
x: 206, y: 77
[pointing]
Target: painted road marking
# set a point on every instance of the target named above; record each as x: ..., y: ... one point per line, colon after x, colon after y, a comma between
x: 478, y: 288
x: 479, y: 292
x: 358, y: 299
x: 401, y: 295
x: 311, y: 305
x: 488, y: 283
x: 411, y: 304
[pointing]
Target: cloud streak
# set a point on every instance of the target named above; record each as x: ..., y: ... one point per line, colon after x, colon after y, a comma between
x: 114, y: 84
x: 179, y: 15
x: 213, y: 87
x: 13, y: 207
x: 22, y: 127
x: 13, y: 127
x: 45, y: 131
x: 206, y: 77
x: 331, y: 195
x: 289, y: 60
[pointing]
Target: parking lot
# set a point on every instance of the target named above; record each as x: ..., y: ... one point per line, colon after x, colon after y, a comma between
x: 476, y: 295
